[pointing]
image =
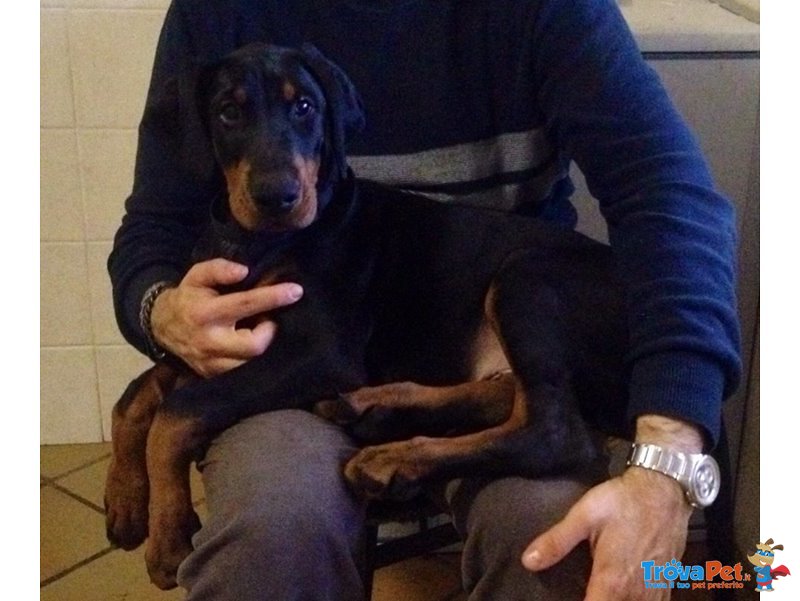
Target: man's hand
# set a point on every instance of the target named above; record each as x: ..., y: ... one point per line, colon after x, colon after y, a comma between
x: 638, y: 516
x: 196, y: 323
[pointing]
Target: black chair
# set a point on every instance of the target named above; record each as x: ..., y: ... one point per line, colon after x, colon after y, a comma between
x: 428, y: 538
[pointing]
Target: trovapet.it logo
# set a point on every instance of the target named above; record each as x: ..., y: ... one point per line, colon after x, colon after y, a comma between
x: 710, y: 575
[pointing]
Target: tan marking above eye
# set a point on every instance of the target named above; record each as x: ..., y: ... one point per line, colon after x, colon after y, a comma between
x: 289, y: 91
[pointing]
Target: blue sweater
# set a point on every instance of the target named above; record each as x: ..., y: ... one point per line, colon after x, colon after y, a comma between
x: 486, y: 103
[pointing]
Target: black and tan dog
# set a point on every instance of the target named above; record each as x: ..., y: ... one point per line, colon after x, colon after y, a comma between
x: 409, y: 306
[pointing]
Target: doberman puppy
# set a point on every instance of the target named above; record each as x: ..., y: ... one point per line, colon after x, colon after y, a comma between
x: 451, y: 341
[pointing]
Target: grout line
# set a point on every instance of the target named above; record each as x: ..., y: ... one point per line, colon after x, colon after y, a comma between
x: 117, y: 9
x: 116, y: 345
x: 72, y: 568
x: 70, y: 347
x: 93, y: 128
x: 78, y: 498
x: 77, y: 469
x: 56, y: 241
x: 61, y: 242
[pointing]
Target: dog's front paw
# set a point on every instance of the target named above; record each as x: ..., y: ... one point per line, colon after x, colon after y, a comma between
x: 389, y: 471
x: 373, y: 415
x: 362, y: 418
x: 341, y: 410
x: 169, y: 544
x: 126, y: 497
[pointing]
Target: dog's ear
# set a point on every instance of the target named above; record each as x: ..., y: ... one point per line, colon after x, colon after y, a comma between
x: 175, y: 114
x: 345, y: 109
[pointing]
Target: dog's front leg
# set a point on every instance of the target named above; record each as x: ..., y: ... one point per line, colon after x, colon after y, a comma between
x: 173, y: 443
x: 401, y: 410
x: 397, y: 470
x: 127, y: 489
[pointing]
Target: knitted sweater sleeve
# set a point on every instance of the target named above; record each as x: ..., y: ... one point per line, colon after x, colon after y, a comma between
x: 671, y: 232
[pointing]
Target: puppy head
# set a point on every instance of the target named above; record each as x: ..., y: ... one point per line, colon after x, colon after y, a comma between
x: 277, y: 120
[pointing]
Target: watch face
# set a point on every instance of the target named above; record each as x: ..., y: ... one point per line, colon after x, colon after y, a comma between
x: 705, y: 482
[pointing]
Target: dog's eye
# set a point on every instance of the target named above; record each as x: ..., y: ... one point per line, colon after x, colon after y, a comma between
x: 230, y: 114
x: 303, y: 107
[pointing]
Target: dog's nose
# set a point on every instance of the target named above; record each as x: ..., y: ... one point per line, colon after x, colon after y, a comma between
x: 278, y: 197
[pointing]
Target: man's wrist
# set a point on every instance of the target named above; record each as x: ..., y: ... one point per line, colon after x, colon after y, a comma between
x: 154, y: 350
x: 670, y: 433
x: 673, y: 449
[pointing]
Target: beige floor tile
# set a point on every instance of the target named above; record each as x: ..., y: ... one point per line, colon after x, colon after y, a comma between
x: 419, y: 579
x: 70, y: 532
x: 90, y: 482
x: 116, y: 576
x: 55, y: 460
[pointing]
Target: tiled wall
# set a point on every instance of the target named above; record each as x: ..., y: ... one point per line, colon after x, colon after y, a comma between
x: 95, y: 63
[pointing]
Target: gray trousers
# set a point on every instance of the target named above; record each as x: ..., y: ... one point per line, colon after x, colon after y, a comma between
x: 283, y: 525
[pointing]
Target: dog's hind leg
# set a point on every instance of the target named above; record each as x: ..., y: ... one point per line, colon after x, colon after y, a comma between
x: 535, y: 306
x: 544, y: 433
x: 127, y: 487
x: 174, y: 442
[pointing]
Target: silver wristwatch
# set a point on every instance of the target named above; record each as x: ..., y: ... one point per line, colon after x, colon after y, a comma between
x: 697, y: 474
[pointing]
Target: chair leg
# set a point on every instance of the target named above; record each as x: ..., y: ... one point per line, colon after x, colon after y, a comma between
x: 369, y: 557
x: 415, y: 545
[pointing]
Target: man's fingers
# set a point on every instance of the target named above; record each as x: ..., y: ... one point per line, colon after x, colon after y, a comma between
x: 238, y: 347
x: 217, y: 366
x: 553, y: 545
x: 251, y: 343
x: 215, y: 272
x: 238, y: 305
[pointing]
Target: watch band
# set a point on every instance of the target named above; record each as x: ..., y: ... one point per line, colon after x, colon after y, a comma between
x: 653, y: 457
x: 697, y: 474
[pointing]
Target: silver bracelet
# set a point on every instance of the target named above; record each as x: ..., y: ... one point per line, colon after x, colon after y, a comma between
x: 154, y: 351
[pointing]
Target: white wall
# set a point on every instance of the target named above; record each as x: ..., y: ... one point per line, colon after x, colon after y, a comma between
x: 95, y: 63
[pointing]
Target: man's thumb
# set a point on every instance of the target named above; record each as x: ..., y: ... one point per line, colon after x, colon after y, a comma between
x: 553, y: 545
